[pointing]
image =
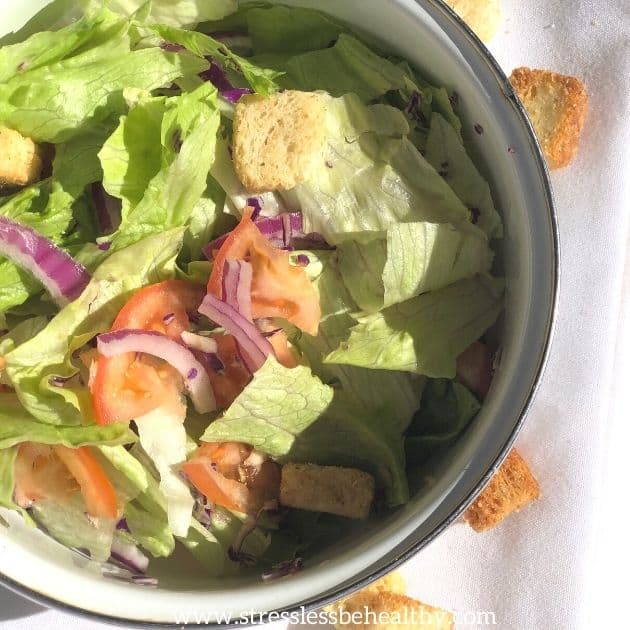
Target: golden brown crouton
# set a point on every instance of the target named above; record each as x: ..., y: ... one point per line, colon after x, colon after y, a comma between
x: 556, y: 105
x: 512, y: 487
x: 20, y: 161
x: 483, y: 16
x: 387, y: 611
x: 343, y: 491
x: 278, y: 139
x: 393, y: 582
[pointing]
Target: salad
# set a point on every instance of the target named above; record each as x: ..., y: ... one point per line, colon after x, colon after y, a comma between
x: 244, y: 281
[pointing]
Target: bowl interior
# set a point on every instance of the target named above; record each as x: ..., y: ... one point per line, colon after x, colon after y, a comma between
x: 431, y: 38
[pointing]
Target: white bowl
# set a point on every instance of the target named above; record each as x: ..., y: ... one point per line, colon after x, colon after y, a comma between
x: 430, y: 36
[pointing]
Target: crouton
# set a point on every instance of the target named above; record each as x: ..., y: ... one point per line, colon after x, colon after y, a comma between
x: 385, y: 610
x: 393, y: 582
x: 20, y: 160
x: 556, y: 105
x: 343, y: 491
x: 512, y: 487
x: 483, y: 16
x: 278, y: 139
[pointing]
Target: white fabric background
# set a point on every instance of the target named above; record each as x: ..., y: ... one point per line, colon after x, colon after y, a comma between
x: 553, y: 565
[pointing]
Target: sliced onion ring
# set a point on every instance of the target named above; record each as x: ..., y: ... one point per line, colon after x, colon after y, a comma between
x: 63, y: 277
x: 130, y: 556
x: 154, y: 343
x: 253, y: 346
x: 237, y: 286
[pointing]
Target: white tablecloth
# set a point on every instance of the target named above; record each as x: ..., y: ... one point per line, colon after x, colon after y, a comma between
x: 550, y: 567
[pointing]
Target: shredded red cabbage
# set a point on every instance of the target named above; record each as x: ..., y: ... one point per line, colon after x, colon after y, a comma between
x: 61, y: 275
x: 216, y: 75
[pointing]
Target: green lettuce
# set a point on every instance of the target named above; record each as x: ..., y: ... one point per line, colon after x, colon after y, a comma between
x: 291, y: 415
x: 67, y: 521
x: 371, y: 177
x: 150, y: 529
x: 413, y: 258
x: 293, y: 30
x: 425, y: 334
x: 31, y: 365
x: 183, y: 153
x: 54, y: 102
x: 348, y: 66
x: 47, y: 47
x: 445, y: 151
x: 261, y: 80
x: 17, y: 426
x: 273, y: 410
x: 186, y: 13
x: 446, y: 409
x: 392, y: 395
x: 7, y: 477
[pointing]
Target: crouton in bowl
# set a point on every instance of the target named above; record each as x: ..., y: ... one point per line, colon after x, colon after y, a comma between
x: 499, y: 139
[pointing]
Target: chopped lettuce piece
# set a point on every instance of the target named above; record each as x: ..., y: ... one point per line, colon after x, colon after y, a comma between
x: 68, y: 522
x: 52, y: 103
x: 7, y: 477
x: 273, y: 410
x: 425, y: 334
x: 31, y: 365
x: 17, y: 426
x: 150, y: 529
x: 412, y: 259
x: 290, y: 29
x: 445, y: 151
x: 393, y: 395
x: 445, y: 411
x: 163, y: 438
x: 186, y: 13
x: 261, y: 80
x: 371, y: 177
x: 185, y: 152
x: 291, y: 415
x: 348, y: 66
x: 47, y: 47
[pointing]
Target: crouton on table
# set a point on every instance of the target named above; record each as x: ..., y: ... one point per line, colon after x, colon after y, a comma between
x: 512, y: 487
x: 385, y: 610
x: 20, y: 160
x: 278, y: 139
x: 343, y: 491
x: 556, y: 105
x: 483, y: 16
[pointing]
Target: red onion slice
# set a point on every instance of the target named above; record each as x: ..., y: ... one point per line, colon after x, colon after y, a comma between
x: 253, y: 346
x: 283, y: 230
x: 61, y: 275
x: 154, y: 343
x: 237, y: 286
x: 130, y: 556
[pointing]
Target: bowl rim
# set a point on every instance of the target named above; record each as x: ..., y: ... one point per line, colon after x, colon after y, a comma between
x: 435, y: 9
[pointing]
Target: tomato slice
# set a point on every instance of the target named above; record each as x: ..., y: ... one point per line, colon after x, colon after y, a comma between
x: 96, y: 488
x: 279, y: 289
x: 224, y: 474
x: 57, y: 472
x: 126, y: 387
x: 230, y: 378
x: 40, y: 474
